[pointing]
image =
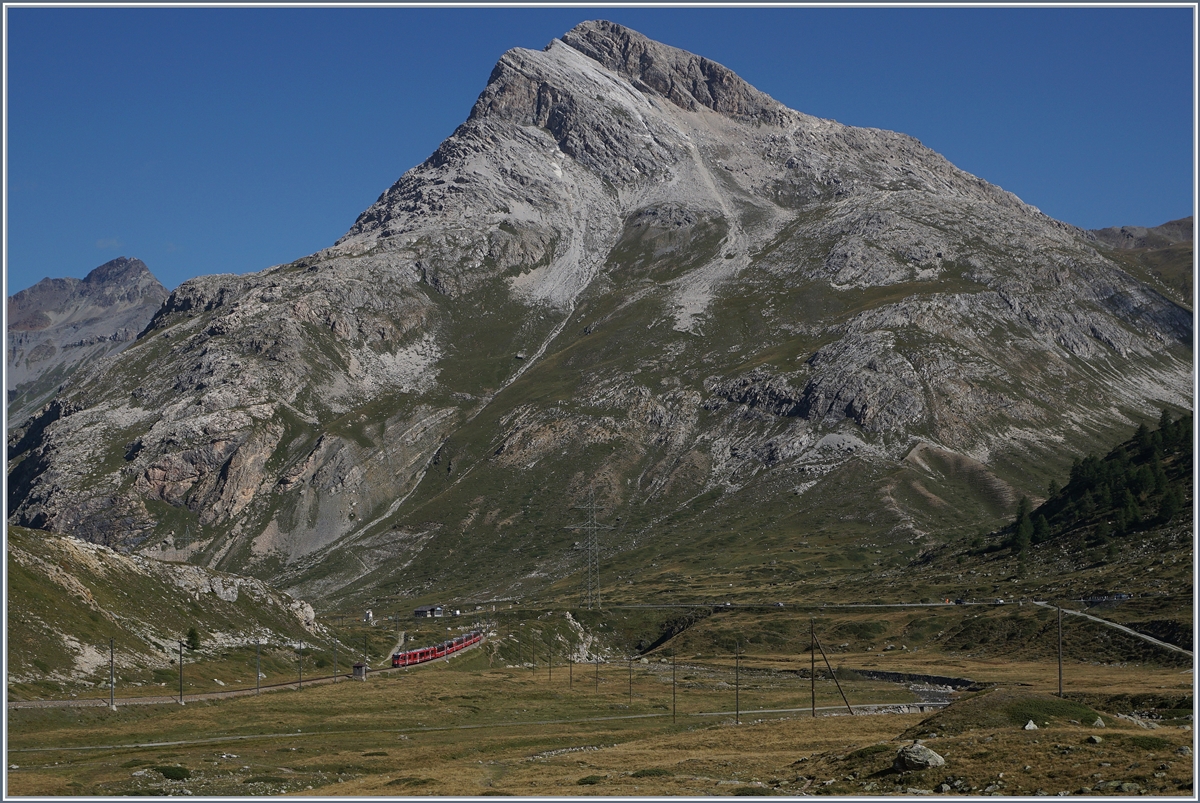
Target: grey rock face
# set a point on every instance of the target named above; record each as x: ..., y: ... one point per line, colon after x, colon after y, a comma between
x: 915, y: 757
x: 687, y: 80
x: 710, y: 292
x: 59, y: 324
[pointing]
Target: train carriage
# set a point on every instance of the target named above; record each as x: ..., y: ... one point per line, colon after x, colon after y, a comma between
x: 422, y: 654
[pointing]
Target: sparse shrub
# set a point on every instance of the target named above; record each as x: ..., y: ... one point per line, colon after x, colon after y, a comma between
x: 651, y: 772
x: 590, y: 780
x: 869, y: 750
x: 1044, y: 709
x: 1150, y: 742
x: 409, y: 781
x: 174, y: 773
x: 752, y: 790
x: 265, y: 779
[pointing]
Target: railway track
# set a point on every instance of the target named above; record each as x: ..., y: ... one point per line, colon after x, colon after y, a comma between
x: 163, y: 699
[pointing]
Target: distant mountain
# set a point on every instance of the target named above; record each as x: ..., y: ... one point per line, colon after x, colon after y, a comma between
x: 1170, y: 233
x: 627, y: 277
x: 1162, y: 256
x: 58, y: 325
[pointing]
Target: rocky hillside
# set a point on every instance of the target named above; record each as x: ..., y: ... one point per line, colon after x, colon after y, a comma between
x: 67, y: 598
x: 58, y: 325
x: 630, y: 277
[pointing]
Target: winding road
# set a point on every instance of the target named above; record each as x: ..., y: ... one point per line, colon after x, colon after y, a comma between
x: 1122, y: 628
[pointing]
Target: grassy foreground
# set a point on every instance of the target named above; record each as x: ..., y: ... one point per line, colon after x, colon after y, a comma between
x: 476, y: 726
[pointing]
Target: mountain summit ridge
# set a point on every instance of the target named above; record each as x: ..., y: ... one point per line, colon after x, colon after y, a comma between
x: 685, y: 79
x: 57, y: 325
x: 627, y: 273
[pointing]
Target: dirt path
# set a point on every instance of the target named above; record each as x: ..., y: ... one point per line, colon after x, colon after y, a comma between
x: 1122, y: 628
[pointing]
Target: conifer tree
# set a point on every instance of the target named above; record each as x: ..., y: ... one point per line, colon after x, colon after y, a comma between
x: 1024, y: 531
x: 1172, y: 501
x: 1041, y: 529
x: 193, y: 639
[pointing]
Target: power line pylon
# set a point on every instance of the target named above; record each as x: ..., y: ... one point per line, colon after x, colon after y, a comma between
x: 590, y: 593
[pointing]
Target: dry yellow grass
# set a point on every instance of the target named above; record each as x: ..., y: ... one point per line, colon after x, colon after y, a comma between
x: 472, y: 730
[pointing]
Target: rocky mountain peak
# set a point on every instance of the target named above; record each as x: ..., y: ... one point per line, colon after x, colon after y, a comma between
x: 119, y: 279
x: 60, y: 324
x: 122, y: 270
x: 685, y: 79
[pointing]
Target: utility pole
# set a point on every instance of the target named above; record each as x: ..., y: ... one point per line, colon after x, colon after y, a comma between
x: 1060, y: 691
x: 737, y: 685
x: 112, y: 678
x: 181, y: 673
x: 833, y: 674
x: 590, y: 596
x: 672, y: 687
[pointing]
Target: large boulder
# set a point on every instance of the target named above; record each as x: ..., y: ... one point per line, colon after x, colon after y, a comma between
x: 913, y: 757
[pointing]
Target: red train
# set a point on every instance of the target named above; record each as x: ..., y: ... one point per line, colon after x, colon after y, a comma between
x: 422, y: 654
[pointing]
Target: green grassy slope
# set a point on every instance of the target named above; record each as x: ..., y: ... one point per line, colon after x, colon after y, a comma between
x: 66, y: 600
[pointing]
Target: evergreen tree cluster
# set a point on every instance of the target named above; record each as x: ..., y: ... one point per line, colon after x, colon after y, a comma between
x: 1142, y: 483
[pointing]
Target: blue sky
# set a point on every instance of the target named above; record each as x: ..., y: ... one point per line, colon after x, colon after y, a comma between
x: 229, y: 140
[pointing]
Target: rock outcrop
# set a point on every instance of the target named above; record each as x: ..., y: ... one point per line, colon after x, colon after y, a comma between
x: 916, y: 757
